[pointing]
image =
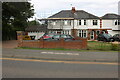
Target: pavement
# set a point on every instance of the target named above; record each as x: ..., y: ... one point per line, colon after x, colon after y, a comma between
x: 9, y: 51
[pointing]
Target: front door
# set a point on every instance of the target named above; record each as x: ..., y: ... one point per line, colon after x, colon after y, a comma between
x: 92, y: 35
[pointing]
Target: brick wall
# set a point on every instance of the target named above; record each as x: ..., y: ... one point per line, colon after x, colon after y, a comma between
x: 78, y: 43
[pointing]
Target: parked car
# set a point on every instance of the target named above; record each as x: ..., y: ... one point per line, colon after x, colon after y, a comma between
x: 116, y: 37
x: 47, y: 36
x: 26, y: 37
x: 66, y: 37
x: 105, y: 37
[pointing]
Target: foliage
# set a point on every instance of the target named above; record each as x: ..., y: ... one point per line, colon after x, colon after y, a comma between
x: 15, y: 17
x: 32, y: 23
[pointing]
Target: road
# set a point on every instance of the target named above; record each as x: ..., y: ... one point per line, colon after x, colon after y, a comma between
x: 45, y: 69
x: 61, y: 55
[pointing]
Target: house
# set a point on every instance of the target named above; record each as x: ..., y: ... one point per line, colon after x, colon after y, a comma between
x: 111, y: 22
x: 81, y: 23
x: 36, y: 31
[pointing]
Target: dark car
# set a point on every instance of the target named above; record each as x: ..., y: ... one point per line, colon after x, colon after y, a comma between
x: 66, y: 37
x: 116, y: 37
x: 105, y: 37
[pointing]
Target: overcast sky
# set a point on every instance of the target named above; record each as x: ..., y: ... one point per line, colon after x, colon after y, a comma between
x: 45, y: 8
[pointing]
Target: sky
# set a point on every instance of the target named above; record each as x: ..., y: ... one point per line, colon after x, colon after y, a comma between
x: 46, y: 8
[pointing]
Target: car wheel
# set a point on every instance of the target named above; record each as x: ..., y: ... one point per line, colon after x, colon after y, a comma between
x: 112, y: 40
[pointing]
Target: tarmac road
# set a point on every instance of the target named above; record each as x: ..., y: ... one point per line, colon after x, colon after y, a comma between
x: 61, y: 55
x: 40, y: 69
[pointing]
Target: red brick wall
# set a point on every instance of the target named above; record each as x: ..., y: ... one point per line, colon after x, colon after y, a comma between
x: 31, y: 44
x: 78, y: 43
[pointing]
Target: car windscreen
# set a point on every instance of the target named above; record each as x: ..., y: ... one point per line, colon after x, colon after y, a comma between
x: 107, y: 35
x: 63, y: 36
x: 51, y: 35
x: 56, y: 36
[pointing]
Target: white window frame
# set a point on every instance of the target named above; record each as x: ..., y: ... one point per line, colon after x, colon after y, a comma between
x: 65, y: 22
x: 54, y: 23
x: 85, y: 22
x: 81, y: 33
x: 118, y: 22
x: 79, y: 22
x: 94, y: 21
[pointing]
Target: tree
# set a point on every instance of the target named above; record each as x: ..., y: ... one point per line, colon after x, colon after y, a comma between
x: 15, y: 17
x: 33, y: 23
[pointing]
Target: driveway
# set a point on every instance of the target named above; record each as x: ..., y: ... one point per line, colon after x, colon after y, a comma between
x: 9, y: 44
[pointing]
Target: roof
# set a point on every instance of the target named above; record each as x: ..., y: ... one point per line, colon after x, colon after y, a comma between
x: 79, y: 14
x: 111, y: 16
x: 36, y: 28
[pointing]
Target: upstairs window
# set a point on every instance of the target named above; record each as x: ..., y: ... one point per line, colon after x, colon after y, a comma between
x: 79, y: 22
x: 54, y: 23
x: 69, y: 22
x: 95, y: 22
x: 65, y: 22
x: 84, y: 22
x: 116, y: 22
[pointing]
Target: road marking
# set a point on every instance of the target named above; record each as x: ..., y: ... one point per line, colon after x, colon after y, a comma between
x: 59, y: 53
x: 70, y: 62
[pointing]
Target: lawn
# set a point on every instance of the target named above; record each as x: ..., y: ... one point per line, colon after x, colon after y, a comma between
x: 103, y: 46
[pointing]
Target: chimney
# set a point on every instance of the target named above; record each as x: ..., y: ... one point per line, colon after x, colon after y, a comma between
x: 73, y: 10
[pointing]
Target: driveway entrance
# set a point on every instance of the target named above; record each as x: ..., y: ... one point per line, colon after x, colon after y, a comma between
x: 9, y: 44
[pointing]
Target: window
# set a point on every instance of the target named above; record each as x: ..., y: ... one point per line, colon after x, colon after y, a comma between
x: 69, y: 22
x: 65, y: 22
x: 97, y: 32
x: 82, y: 33
x: 116, y: 22
x: 79, y: 22
x: 53, y: 32
x: 56, y: 36
x: 63, y: 36
x: 54, y: 23
x: 84, y: 22
x: 94, y: 22
x: 66, y: 32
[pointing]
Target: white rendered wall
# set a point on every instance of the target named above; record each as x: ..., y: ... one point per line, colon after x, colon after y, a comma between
x: 89, y: 24
x: 107, y: 24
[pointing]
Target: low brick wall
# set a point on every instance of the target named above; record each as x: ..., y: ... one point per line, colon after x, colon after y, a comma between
x: 75, y: 44
x: 78, y: 43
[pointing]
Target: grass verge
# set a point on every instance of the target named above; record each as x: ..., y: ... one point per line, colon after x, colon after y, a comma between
x: 103, y: 46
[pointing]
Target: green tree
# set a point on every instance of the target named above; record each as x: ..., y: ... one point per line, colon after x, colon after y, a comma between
x: 33, y: 23
x: 15, y: 17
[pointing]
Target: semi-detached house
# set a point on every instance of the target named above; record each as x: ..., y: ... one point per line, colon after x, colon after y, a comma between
x: 111, y: 22
x: 82, y: 24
